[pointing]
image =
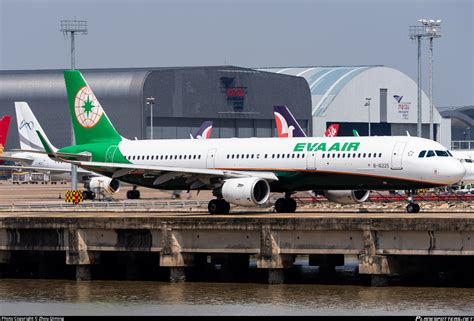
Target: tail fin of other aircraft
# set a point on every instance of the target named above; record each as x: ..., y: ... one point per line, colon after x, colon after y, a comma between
x: 355, y: 133
x: 287, y: 125
x: 204, y: 132
x: 89, y: 120
x: 4, y: 123
x: 332, y: 131
x: 27, y: 127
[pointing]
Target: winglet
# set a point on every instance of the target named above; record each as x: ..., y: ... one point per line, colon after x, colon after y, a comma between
x: 46, y: 146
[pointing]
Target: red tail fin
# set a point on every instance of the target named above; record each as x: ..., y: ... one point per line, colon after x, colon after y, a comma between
x: 4, y: 123
x: 332, y: 131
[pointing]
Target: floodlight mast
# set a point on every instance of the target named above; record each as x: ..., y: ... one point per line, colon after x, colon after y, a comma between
x: 72, y: 27
x: 428, y: 29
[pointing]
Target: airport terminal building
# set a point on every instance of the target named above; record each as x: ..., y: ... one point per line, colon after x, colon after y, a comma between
x: 338, y: 95
x: 238, y: 100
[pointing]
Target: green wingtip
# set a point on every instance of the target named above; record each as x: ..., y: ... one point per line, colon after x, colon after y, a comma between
x: 46, y: 146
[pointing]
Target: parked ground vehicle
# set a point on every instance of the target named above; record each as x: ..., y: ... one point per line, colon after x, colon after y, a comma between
x: 466, y: 189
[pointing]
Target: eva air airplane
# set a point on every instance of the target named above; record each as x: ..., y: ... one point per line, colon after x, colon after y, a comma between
x: 243, y: 171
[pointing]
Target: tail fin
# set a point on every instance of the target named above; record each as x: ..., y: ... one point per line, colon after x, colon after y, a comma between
x: 355, y: 133
x: 4, y: 123
x: 89, y: 120
x: 27, y: 127
x: 204, y: 132
x: 287, y: 125
x: 332, y: 131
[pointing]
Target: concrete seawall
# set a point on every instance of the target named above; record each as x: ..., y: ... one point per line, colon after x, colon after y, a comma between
x: 386, y: 244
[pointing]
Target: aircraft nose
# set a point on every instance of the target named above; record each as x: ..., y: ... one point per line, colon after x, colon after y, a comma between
x: 455, y: 171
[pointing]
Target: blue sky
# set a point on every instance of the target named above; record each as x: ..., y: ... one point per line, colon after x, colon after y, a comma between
x: 258, y: 33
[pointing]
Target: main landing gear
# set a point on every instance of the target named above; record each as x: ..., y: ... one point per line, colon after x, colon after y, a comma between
x: 412, y: 207
x: 285, y: 205
x: 218, y: 206
x: 133, y: 194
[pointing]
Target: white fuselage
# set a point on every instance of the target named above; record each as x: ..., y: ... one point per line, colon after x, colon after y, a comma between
x: 466, y: 157
x: 383, y: 157
x: 43, y: 162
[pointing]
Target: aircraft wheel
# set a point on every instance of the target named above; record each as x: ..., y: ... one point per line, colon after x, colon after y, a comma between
x: 280, y: 205
x: 218, y: 206
x: 133, y: 194
x: 213, y: 206
x: 225, y: 207
x: 290, y: 205
x: 413, y: 208
x: 417, y: 208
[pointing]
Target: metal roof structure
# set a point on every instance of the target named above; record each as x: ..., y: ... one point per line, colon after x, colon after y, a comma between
x: 324, y: 82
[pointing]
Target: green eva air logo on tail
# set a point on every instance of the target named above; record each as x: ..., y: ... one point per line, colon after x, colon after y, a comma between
x: 89, y: 120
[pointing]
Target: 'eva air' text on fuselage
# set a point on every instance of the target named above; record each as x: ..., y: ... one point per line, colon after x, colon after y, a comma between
x: 335, y: 147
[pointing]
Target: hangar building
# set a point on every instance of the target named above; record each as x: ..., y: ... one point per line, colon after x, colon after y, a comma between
x: 462, y: 125
x: 338, y: 96
x: 238, y: 100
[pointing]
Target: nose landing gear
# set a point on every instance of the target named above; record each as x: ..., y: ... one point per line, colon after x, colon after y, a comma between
x: 412, y: 207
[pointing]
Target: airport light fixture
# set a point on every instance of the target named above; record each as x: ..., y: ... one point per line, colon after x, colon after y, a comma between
x: 428, y: 29
x: 71, y: 27
x: 367, y: 104
x: 150, y: 101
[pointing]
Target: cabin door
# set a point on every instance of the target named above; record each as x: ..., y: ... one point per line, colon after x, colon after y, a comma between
x: 397, y: 155
x: 311, y: 160
x: 211, y: 158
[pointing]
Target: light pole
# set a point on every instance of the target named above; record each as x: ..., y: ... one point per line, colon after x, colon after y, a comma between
x: 72, y: 27
x: 367, y: 104
x: 150, y: 101
x: 432, y: 28
x: 428, y: 29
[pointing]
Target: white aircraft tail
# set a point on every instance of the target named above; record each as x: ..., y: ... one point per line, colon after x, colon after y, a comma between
x: 27, y: 127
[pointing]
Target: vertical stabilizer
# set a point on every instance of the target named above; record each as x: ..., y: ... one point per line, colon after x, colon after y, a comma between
x: 287, y: 125
x: 89, y: 120
x: 4, y: 123
x: 204, y: 132
x: 27, y: 127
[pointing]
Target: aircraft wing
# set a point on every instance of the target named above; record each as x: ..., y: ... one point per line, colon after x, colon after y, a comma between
x: 50, y: 170
x: 35, y: 168
x: 165, y: 173
x: 23, y: 160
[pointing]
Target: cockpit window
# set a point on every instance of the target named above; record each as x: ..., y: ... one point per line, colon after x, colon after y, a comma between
x: 467, y: 160
x: 422, y: 153
x: 449, y: 153
x: 442, y: 153
x: 430, y: 154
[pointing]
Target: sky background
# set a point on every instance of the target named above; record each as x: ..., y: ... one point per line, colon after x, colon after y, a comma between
x: 257, y: 33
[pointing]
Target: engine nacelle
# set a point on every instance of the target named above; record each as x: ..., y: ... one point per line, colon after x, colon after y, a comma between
x: 246, y: 191
x: 109, y: 185
x: 347, y: 196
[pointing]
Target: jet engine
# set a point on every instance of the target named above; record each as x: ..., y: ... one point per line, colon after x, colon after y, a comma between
x: 107, y: 184
x: 246, y: 191
x: 347, y: 196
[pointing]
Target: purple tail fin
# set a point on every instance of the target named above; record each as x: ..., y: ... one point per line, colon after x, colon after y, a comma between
x: 204, y: 132
x: 286, y: 124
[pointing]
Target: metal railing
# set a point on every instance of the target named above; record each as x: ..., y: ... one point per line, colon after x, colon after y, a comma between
x: 111, y: 206
x: 462, y: 144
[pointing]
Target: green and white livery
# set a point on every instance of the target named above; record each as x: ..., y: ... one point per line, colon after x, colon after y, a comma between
x: 243, y: 171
